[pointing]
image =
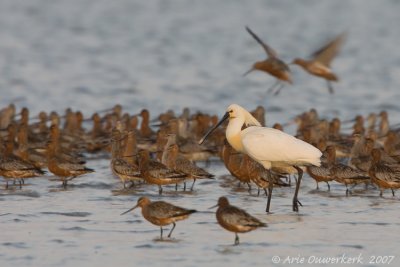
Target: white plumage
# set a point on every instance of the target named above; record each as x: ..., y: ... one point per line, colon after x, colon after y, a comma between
x: 268, y: 146
x: 273, y: 147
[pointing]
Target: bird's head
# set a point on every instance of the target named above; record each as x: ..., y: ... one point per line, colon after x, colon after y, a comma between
x: 234, y: 111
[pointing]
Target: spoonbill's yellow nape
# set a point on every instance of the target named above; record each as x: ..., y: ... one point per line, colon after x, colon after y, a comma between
x: 268, y: 146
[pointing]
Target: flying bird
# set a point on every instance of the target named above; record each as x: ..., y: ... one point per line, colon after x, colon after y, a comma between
x: 320, y: 62
x: 272, y: 65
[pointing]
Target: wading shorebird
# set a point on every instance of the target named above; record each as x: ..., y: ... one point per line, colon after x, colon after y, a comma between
x: 233, y: 161
x: 155, y: 172
x: 272, y: 65
x: 13, y: 167
x: 125, y: 168
x: 161, y: 213
x: 382, y: 174
x: 323, y: 173
x: 235, y: 219
x: 320, y: 62
x: 344, y: 174
x: 179, y: 163
x: 268, y: 146
x: 65, y: 170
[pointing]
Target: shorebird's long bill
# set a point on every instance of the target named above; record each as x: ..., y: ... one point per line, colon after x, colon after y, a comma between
x: 226, y: 116
x: 247, y: 72
x: 129, y: 210
x: 213, y: 206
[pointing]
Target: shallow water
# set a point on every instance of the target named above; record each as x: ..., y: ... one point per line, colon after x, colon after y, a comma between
x: 90, y: 55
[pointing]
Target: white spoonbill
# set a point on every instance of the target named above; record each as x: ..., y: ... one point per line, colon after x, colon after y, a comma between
x: 268, y: 146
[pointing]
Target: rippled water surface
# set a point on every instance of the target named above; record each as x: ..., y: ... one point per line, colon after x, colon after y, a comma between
x: 90, y: 55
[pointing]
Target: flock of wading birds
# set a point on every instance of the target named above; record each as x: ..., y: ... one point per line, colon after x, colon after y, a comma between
x: 252, y: 153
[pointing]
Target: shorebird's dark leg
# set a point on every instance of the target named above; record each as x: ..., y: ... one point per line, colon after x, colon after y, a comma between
x: 64, y: 183
x: 23, y: 181
x: 317, y: 184
x: 6, y: 184
x: 266, y: 192
x: 161, y: 230
x: 330, y: 87
x: 289, y: 179
x: 381, y: 192
x: 271, y: 89
x: 296, y: 202
x: 124, y: 183
x: 329, y: 187
x: 258, y: 191
x: 191, y: 188
x: 278, y: 90
x: 173, y: 227
x: 239, y: 184
x: 248, y: 184
x: 160, y: 190
x: 270, y: 187
x: 392, y: 191
x: 236, y: 239
x: 20, y: 184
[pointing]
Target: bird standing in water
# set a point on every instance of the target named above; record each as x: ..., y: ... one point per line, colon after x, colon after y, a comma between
x: 320, y: 62
x: 235, y: 219
x: 272, y: 65
x: 161, y: 213
x: 382, y: 174
x: 268, y: 146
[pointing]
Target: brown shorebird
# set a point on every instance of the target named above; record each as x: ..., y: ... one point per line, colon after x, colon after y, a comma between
x: 235, y: 219
x: 263, y: 178
x: 155, y: 172
x: 145, y: 130
x: 272, y: 65
x: 382, y: 174
x: 64, y: 169
x: 15, y: 168
x: 161, y: 213
x: 323, y: 173
x: 384, y: 123
x: 12, y: 166
x: 320, y: 62
x: 233, y: 161
x: 179, y: 163
x: 28, y: 151
x: 344, y: 174
x: 126, y: 170
x: 7, y: 115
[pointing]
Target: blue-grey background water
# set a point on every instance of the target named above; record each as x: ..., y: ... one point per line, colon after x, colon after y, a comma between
x: 93, y: 54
